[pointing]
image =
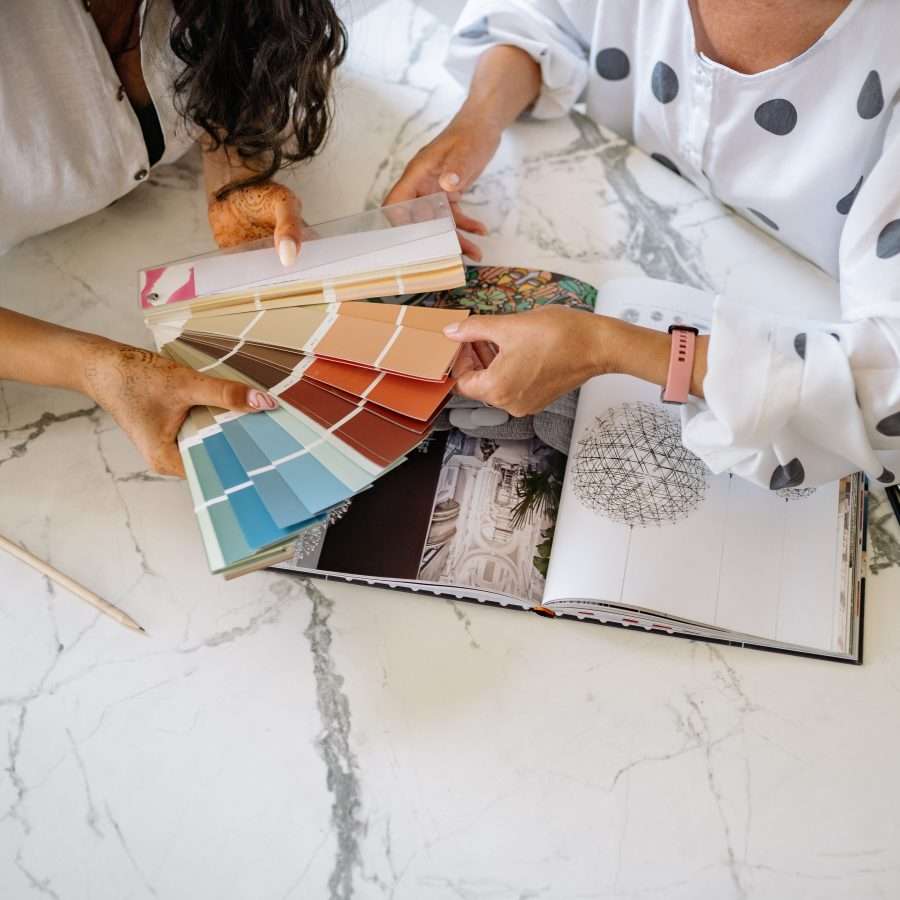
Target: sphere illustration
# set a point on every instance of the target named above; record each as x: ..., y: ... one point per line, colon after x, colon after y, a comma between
x: 631, y: 467
x: 795, y: 493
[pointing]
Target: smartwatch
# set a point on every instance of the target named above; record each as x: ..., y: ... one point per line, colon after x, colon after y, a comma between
x: 681, y: 364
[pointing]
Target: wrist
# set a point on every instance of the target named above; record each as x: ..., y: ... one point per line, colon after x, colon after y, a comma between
x: 632, y: 350
x: 644, y: 353
x: 93, y: 356
x: 481, y: 118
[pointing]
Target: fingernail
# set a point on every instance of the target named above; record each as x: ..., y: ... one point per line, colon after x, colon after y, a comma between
x: 287, y: 251
x: 261, y: 400
x: 451, y: 329
x: 451, y: 179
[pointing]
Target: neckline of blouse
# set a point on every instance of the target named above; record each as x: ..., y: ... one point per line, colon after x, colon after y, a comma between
x: 848, y: 13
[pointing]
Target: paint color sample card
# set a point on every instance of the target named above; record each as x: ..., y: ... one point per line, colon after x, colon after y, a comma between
x: 360, y: 384
x: 404, y: 248
x: 268, y: 366
x: 404, y: 340
x: 379, y: 435
x: 259, y: 478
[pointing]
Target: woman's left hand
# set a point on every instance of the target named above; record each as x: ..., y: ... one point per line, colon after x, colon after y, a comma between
x: 523, y: 362
x: 257, y: 211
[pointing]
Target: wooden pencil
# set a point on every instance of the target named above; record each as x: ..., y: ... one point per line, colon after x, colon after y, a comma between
x: 72, y: 586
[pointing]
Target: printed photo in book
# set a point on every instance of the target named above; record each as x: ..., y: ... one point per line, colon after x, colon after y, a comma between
x: 628, y: 528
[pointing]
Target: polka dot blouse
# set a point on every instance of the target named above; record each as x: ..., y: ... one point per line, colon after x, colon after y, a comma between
x: 809, y: 151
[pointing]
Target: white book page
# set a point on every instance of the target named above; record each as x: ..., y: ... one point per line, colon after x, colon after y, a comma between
x: 736, y: 556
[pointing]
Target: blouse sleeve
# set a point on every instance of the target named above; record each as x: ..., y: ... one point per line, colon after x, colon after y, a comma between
x: 792, y: 404
x: 539, y: 27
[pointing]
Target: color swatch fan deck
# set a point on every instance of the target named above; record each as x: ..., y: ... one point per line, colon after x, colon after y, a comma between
x: 359, y: 383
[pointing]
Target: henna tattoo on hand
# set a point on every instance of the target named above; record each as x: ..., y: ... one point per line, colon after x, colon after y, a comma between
x: 247, y: 214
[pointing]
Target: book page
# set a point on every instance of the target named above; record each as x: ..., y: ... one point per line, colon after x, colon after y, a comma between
x: 471, y: 516
x: 643, y: 523
x: 487, y: 530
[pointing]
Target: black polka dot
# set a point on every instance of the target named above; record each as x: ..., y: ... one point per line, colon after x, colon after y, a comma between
x: 846, y: 202
x: 664, y: 83
x: 777, y: 116
x: 665, y: 161
x: 764, y: 219
x: 800, y: 344
x: 477, y: 31
x: 890, y: 425
x: 887, y: 476
x: 787, y: 476
x: 889, y: 240
x: 871, y: 98
x: 612, y: 64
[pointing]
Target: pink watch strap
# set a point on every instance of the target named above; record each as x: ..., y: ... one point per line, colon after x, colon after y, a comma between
x: 681, y: 364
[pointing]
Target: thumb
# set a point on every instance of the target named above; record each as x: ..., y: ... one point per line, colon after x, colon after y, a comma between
x: 476, y: 328
x: 288, y: 225
x: 458, y: 172
x: 231, y: 395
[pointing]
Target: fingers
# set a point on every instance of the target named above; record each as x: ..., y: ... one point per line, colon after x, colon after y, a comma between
x: 288, y: 228
x: 466, y: 222
x: 476, y: 385
x: 230, y: 395
x: 405, y: 189
x: 466, y: 362
x: 484, y: 352
x: 473, y: 251
x: 477, y: 328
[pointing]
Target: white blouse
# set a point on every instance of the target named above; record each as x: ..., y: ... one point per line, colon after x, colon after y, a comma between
x: 70, y: 141
x: 809, y: 151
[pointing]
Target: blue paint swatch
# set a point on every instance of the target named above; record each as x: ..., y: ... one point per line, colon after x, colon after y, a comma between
x: 283, y: 504
x: 258, y: 527
x: 311, y: 481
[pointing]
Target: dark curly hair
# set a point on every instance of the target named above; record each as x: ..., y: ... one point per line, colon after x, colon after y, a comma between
x: 257, y: 76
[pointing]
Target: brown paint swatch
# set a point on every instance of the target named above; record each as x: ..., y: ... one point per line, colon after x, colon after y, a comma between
x: 364, y: 334
x: 409, y: 396
x: 377, y: 439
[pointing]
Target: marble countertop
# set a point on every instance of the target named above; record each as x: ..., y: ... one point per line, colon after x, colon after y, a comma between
x: 278, y: 738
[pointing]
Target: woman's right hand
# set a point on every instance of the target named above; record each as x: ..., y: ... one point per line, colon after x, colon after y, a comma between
x: 451, y: 163
x: 150, y: 397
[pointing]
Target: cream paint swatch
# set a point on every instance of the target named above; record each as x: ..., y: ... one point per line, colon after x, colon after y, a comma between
x: 399, y: 339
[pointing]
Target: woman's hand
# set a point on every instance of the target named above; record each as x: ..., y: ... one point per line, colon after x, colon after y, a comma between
x: 537, y: 356
x: 251, y: 213
x: 505, y: 82
x: 149, y: 397
x: 523, y: 362
x: 451, y: 163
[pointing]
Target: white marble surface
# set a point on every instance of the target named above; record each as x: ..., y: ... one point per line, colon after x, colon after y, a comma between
x: 277, y: 739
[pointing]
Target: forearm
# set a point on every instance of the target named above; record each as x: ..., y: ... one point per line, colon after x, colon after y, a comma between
x: 506, y: 82
x: 626, y: 349
x: 38, y: 352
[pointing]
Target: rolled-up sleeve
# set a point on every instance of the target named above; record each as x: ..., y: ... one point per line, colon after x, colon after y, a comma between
x: 542, y: 29
x: 792, y: 404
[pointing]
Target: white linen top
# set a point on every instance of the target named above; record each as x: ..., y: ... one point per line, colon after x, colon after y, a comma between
x: 808, y: 150
x: 70, y: 140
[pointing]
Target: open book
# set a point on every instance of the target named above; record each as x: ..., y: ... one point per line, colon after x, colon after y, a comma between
x: 630, y: 529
